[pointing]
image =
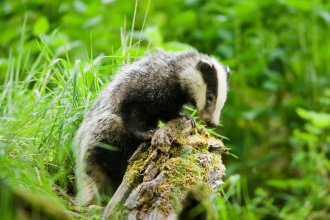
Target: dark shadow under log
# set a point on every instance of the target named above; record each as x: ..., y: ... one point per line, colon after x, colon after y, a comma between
x: 179, y: 158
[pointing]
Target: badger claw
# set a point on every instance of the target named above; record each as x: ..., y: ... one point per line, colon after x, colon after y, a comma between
x: 192, y: 120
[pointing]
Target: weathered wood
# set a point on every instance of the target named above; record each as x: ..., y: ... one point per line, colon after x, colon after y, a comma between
x: 179, y: 157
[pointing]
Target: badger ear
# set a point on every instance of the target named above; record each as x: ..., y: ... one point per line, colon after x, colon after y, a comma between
x: 204, y: 65
x: 228, y: 71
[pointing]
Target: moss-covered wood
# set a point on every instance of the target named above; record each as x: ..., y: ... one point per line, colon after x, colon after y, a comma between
x: 179, y: 157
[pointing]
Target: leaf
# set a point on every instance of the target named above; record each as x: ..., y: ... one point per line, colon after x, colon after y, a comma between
x: 41, y: 26
x: 154, y: 35
x: 93, y: 21
x: 177, y: 46
x: 284, y: 184
x: 303, y: 113
x: 300, y: 5
x: 319, y: 120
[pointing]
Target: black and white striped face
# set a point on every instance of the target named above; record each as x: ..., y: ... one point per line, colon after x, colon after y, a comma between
x: 210, y: 97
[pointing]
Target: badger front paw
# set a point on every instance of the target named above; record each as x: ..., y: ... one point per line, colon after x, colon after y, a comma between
x: 144, y: 135
x: 192, y: 120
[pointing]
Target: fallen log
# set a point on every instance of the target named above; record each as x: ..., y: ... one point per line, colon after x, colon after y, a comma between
x: 179, y: 157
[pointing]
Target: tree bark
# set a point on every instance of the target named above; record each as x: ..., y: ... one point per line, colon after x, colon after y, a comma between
x: 179, y: 157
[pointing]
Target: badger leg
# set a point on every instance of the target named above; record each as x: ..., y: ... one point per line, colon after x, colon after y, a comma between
x: 91, y: 185
x: 90, y: 175
x: 143, y: 135
x: 98, y: 169
x: 136, y: 121
x: 102, y: 174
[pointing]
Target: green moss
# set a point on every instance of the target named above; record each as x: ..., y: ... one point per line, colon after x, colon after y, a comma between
x: 181, y: 174
x: 135, y: 170
x: 216, y: 162
x: 184, y: 170
x: 180, y: 165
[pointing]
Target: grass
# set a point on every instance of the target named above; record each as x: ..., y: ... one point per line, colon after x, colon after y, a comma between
x: 43, y: 102
x: 44, y: 97
x: 40, y: 113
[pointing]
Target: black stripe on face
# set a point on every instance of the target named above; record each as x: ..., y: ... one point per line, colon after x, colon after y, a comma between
x: 210, y: 77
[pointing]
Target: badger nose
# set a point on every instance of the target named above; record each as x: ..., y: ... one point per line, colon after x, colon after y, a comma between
x: 211, y: 124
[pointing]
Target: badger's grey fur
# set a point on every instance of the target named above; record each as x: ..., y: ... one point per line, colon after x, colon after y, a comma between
x: 128, y: 110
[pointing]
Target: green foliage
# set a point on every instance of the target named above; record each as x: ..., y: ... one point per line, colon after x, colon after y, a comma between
x: 56, y: 55
x: 302, y: 195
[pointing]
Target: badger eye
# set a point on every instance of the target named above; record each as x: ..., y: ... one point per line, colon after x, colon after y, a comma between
x: 209, y: 97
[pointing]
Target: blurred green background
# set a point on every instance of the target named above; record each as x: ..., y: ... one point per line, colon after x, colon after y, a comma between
x: 276, y: 117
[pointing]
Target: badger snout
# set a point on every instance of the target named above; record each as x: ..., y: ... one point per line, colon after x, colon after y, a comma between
x: 211, y: 124
x: 209, y: 121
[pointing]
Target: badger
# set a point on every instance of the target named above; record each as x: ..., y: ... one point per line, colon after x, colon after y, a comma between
x: 127, y: 112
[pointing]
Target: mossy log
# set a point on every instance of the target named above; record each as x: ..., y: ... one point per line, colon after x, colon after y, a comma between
x: 180, y: 157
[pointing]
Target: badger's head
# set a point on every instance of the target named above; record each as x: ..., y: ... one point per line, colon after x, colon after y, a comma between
x: 209, y: 89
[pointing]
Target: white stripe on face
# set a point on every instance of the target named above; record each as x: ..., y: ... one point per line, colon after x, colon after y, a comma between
x: 222, y: 90
x: 192, y: 79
